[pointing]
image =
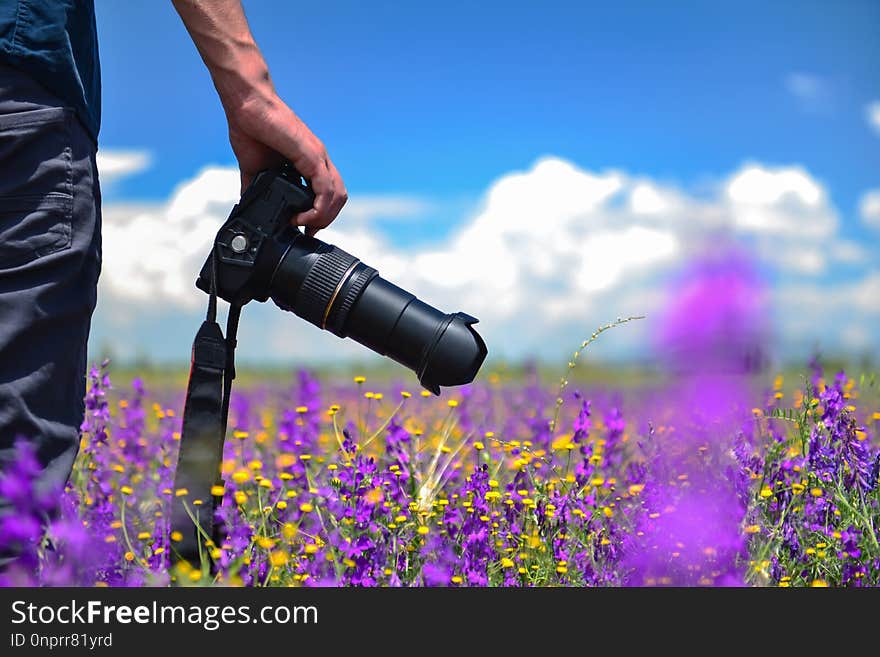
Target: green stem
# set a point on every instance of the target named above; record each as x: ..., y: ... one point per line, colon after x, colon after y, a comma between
x: 563, y: 382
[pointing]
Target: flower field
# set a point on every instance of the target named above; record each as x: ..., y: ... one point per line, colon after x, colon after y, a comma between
x: 495, y: 484
x: 712, y: 471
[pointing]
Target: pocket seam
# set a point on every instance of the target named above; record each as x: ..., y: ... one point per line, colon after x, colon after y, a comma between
x: 34, y: 202
x: 27, y: 118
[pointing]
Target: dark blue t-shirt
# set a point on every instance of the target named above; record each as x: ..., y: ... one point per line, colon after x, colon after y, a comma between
x: 56, y: 43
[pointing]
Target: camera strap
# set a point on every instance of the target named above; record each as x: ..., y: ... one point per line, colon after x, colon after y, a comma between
x: 205, y: 415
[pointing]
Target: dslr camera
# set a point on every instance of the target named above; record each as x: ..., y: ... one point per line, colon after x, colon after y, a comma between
x: 259, y: 255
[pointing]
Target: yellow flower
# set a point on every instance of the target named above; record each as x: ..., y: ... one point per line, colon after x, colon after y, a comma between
x: 456, y: 579
x: 265, y: 542
x: 561, y: 569
x: 143, y: 536
x: 766, y: 492
x: 562, y: 442
x: 176, y: 537
x: 359, y: 379
x: 506, y: 563
x: 180, y: 492
x: 479, y: 446
x: 819, y: 583
x: 278, y: 558
x: 240, y: 497
x: 241, y: 476
x: 306, y: 507
x: 129, y: 556
x: 452, y: 403
x: 752, y: 529
x: 126, y: 490
x: 423, y: 530
x: 816, y: 492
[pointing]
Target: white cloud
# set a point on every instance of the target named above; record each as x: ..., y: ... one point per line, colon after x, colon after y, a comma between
x: 832, y: 316
x: 872, y: 113
x: 385, y: 207
x: 856, y: 336
x: 812, y: 92
x: 782, y: 202
x: 552, y: 252
x: 799, y: 260
x: 154, y: 252
x: 116, y: 164
x: 848, y: 252
x: 869, y: 208
x: 649, y: 199
x: 804, y: 85
x: 866, y: 294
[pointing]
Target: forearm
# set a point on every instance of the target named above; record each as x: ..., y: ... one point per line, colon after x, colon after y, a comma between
x: 263, y: 130
x: 222, y: 36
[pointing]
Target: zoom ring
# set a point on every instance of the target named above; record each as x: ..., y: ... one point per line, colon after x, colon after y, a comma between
x: 319, y: 285
x: 339, y: 312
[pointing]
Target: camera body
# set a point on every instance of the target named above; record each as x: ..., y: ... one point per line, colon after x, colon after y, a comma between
x: 252, y: 242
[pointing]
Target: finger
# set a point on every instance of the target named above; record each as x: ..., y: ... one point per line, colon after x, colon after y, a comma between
x: 305, y: 219
x: 338, y: 203
x: 314, y: 216
x: 341, y: 196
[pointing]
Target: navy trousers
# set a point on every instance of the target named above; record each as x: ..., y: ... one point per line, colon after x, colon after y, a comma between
x: 50, y: 259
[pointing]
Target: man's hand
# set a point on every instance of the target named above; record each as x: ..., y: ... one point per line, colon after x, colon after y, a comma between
x: 263, y: 130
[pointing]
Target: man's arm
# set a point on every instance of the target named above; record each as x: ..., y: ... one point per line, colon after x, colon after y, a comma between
x: 262, y: 128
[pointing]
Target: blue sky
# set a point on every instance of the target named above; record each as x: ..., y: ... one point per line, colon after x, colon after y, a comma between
x: 435, y: 103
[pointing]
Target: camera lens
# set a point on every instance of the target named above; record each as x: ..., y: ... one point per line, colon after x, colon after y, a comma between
x: 335, y: 291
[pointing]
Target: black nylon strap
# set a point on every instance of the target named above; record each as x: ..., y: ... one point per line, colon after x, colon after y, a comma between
x: 201, y: 443
x: 205, y: 414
